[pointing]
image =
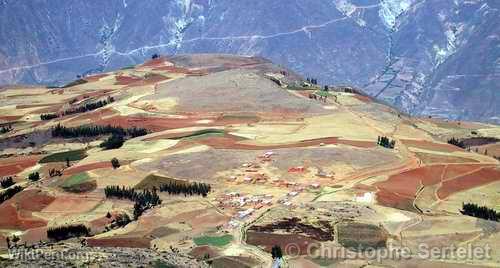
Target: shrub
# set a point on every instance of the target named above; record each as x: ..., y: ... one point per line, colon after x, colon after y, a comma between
x: 115, y: 163
x: 35, y: 176
x: 7, y: 182
x: 113, y: 142
x: 65, y: 232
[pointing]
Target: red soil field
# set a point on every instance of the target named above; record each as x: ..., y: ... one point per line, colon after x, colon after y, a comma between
x: 14, y: 165
x: 427, y: 145
x: 11, y: 219
x: 362, y: 98
x: 35, y: 235
x: 88, y: 167
x: 453, y: 171
x: 475, y: 179
x: 93, y: 116
x: 126, y: 80
x: 117, y: 241
x: 9, y: 118
x: 268, y: 240
x: 32, y: 200
x: 407, y: 183
x: 395, y: 201
x: 155, y: 62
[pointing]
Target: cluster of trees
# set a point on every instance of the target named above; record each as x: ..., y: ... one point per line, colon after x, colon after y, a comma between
x: 55, y: 173
x: 457, y: 143
x: 68, y: 231
x: 35, y: 176
x: 186, y: 188
x: 143, y: 200
x: 482, y: 212
x: 93, y: 131
x: 9, y: 193
x: 276, y: 252
x: 312, y: 81
x: 7, y: 182
x: 386, y: 142
x: 155, y: 56
x: 113, y: 142
x: 5, y: 129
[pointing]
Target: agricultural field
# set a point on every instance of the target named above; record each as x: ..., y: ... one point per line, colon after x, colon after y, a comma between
x: 225, y: 158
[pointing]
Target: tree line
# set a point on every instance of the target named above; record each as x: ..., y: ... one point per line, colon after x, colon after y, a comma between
x: 68, y: 231
x: 9, y: 193
x: 94, y: 130
x: 143, y: 200
x: 186, y: 188
x: 482, y: 212
x: 386, y: 142
x: 7, y: 182
x: 113, y: 142
x: 457, y: 143
x: 80, y: 109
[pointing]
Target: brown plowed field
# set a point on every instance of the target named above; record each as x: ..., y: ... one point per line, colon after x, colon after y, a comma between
x: 475, y: 179
x: 427, y: 145
x: 88, y: 167
x: 116, y: 241
x: 14, y: 165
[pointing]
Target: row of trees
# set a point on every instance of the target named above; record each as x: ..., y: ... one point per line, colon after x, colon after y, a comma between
x: 9, y: 193
x: 46, y: 117
x: 5, y: 129
x: 7, y: 182
x: 80, y: 109
x: 68, y: 231
x: 186, y: 188
x: 386, y: 142
x: 93, y: 131
x: 55, y: 173
x: 312, y: 81
x: 457, y: 143
x: 143, y: 200
x: 482, y: 212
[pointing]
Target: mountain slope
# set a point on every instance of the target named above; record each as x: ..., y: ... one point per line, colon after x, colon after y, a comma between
x: 401, y: 51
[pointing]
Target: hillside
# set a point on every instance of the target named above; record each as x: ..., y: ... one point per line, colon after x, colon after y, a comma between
x: 244, y: 155
x: 427, y: 57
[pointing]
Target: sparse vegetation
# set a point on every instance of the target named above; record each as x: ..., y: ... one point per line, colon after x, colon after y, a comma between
x: 77, y: 82
x: 481, y: 212
x: 65, y: 232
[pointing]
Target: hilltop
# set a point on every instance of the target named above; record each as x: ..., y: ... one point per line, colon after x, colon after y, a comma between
x: 218, y: 158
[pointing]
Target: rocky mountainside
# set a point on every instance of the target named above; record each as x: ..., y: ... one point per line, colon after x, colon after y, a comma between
x: 432, y: 57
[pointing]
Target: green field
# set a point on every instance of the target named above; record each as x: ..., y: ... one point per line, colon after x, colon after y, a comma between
x: 61, y: 157
x: 76, y: 179
x: 201, y: 133
x: 218, y: 241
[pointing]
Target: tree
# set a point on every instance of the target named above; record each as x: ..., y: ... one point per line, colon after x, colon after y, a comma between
x: 276, y: 252
x: 108, y: 215
x: 115, y: 163
x: 35, y: 176
x: 68, y: 164
x: 7, y: 182
x: 113, y: 142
